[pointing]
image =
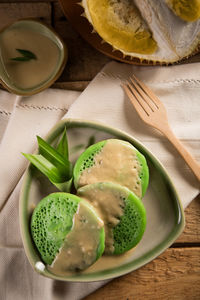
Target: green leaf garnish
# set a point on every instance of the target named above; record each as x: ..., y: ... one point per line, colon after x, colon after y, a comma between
x: 46, y: 167
x: 54, y: 163
x: 62, y: 147
x: 21, y: 58
x: 26, y: 55
x: 52, y: 155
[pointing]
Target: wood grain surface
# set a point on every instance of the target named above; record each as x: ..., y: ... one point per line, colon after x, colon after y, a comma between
x: 175, y: 274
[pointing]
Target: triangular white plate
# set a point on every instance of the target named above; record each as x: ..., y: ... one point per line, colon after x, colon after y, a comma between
x: 165, y: 216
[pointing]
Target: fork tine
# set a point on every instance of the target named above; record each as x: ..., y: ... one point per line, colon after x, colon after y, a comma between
x: 157, y: 119
x: 140, y: 110
x: 144, y: 104
x: 146, y: 91
x: 144, y: 100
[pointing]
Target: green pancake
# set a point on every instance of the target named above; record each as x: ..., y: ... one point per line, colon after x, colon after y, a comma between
x: 53, y: 220
x: 113, y: 160
x: 121, y: 210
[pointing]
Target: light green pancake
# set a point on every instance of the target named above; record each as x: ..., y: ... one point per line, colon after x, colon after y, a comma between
x: 121, y: 210
x: 54, y: 227
x: 113, y: 160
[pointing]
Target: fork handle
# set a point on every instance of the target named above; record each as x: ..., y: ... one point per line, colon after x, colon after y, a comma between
x: 192, y: 163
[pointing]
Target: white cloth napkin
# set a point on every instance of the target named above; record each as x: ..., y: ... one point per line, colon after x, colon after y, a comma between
x: 21, y: 119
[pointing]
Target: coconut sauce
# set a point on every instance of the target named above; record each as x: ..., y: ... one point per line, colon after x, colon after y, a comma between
x: 110, y: 261
x: 27, y: 74
x: 79, y: 249
x: 110, y: 207
x: 116, y: 162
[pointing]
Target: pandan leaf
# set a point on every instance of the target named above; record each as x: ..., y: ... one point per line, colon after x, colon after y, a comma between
x: 46, y: 167
x: 26, y: 55
x: 54, y: 163
x: 21, y: 58
x: 62, y: 147
x: 51, y: 154
x: 64, y: 186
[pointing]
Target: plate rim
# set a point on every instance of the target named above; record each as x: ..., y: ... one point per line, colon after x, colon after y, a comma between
x: 120, y: 270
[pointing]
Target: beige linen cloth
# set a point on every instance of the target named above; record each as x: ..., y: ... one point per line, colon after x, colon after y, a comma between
x: 22, y: 118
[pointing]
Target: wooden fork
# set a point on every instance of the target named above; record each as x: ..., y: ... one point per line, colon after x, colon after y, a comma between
x: 152, y: 111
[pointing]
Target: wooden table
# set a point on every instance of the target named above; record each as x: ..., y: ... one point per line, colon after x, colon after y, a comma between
x: 175, y: 274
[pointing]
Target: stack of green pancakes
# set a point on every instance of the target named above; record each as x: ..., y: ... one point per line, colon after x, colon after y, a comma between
x: 106, y: 216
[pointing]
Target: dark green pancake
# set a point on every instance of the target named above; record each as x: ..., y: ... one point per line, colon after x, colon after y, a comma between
x: 121, y: 210
x: 52, y: 221
x: 87, y: 161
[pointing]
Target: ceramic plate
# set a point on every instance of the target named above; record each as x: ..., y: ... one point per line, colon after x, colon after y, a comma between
x: 165, y: 217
